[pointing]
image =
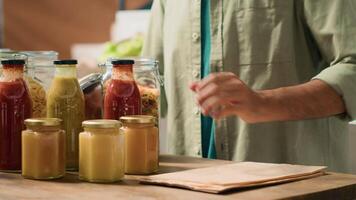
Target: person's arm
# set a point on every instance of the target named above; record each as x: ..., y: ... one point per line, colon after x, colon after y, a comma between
x: 331, y: 92
x: 223, y: 94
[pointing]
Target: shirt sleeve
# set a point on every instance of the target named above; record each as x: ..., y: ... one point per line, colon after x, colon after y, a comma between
x: 333, y: 26
x: 153, y: 44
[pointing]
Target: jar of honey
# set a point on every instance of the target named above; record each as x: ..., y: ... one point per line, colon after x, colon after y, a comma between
x: 43, y: 149
x: 101, y: 151
x: 141, y: 144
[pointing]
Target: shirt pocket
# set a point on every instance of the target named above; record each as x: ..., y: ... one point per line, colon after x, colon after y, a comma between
x: 265, y: 31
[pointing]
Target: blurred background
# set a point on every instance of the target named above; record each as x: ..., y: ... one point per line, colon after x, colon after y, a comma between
x: 87, y: 30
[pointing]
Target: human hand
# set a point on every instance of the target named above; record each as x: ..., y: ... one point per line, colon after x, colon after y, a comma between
x: 224, y: 94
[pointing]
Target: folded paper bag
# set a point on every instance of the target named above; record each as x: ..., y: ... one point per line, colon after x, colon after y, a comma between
x: 221, y: 178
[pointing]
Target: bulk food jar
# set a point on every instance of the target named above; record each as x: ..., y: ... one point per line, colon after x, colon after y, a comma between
x: 122, y: 96
x: 15, y: 107
x: 39, y: 74
x: 148, y: 80
x: 101, y: 154
x: 65, y: 100
x: 43, y: 149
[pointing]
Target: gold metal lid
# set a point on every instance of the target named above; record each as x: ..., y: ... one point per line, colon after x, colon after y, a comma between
x: 43, y: 122
x: 138, y: 119
x: 101, y: 123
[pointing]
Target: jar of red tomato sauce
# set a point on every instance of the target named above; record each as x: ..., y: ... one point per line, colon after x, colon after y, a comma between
x: 15, y: 107
x: 122, y: 96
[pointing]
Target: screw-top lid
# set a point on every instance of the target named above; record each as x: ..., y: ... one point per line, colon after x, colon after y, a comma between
x: 122, y: 62
x: 101, y: 123
x: 13, y: 62
x: 138, y: 119
x: 43, y: 122
x: 66, y: 62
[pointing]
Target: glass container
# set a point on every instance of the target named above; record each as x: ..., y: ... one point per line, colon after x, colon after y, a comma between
x: 39, y: 74
x: 43, y: 149
x: 148, y: 80
x: 122, y: 96
x: 65, y: 100
x: 141, y: 144
x: 93, y: 94
x: 101, y: 157
x: 15, y: 107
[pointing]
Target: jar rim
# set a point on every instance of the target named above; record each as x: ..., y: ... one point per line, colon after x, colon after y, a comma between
x: 101, y: 123
x: 138, y: 119
x: 43, y: 122
x: 40, y: 53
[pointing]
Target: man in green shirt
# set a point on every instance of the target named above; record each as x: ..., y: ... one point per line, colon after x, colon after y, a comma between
x: 290, y: 64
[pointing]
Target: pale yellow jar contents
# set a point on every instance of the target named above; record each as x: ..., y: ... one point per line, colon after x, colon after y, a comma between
x: 43, y: 149
x: 101, y: 151
x: 141, y: 144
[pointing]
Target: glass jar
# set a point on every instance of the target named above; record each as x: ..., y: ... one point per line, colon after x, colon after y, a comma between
x: 39, y: 74
x: 101, y: 157
x: 43, y: 149
x: 65, y: 100
x: 141, y: 144
x: 15, y: 107
x: 40, y: 66
x: 93, y: 95
x: 122, y: 96
x: 148, y: 80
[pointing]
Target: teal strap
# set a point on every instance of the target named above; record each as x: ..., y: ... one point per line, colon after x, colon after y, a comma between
x: 208, y: 128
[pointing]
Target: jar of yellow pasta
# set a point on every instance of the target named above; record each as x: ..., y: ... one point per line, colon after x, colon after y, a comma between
x: 39, y: 74
x: 101, y: 151
x: 141, y: 144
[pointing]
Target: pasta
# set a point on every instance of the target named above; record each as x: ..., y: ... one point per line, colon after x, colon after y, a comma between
x: 38, y: 96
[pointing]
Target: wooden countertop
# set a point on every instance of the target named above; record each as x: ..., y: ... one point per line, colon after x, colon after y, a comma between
x: 331, y: 186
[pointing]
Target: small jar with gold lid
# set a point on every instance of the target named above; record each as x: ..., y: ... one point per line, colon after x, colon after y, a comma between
x: 43, y: 149
x: 141, y: 144
x: 101, y: 151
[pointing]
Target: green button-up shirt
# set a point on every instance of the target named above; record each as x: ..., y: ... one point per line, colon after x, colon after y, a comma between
x: 268, y: 44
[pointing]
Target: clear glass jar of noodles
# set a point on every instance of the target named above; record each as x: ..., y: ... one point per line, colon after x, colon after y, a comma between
x: 39, y: 74
x: 141, y: 144
x: 43, y: 149
x: 101, y: 151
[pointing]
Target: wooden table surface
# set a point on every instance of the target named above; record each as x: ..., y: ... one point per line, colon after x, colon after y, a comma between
x: 331, y: 186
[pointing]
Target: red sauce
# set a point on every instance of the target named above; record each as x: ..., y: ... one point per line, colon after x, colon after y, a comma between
x: 15, y: 107
x: 122, y: 98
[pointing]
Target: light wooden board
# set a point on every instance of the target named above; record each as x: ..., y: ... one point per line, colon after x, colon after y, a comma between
x: 13, y: 186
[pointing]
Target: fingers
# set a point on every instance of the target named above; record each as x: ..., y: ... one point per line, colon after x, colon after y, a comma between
x: 225, y: 112
x: 215, y: 104
x: 227, y: 89
x: 194, y: 86
x: 216, y: 78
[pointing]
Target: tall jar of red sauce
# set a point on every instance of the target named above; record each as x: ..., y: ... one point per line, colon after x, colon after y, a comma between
x: 122, y: 96
x: 15, y: 107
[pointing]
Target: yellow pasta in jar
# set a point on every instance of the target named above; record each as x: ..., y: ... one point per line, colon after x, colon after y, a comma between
x: 38, y: 95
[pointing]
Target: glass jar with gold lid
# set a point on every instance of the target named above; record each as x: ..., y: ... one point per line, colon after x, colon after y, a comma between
x: 101, y: 151
x: 43, y: 149
x: 141, y: 144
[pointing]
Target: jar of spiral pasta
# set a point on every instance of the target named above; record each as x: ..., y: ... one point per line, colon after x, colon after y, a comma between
x: 39, y: 74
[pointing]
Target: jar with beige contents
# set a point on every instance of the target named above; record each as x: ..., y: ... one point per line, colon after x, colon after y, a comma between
x: 101, y: 151
x: 141, y: 144
x: 43, y: 149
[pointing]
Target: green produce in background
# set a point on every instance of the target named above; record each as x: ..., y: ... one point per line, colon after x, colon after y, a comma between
x: 127, y: 48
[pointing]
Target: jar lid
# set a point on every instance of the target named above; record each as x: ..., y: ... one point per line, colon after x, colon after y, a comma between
x: 122, y: 62
x: 13, y: 62
x: 138, y: 119
x: 66, y: 62
x: 101, y: 123
x: 43, y: 122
